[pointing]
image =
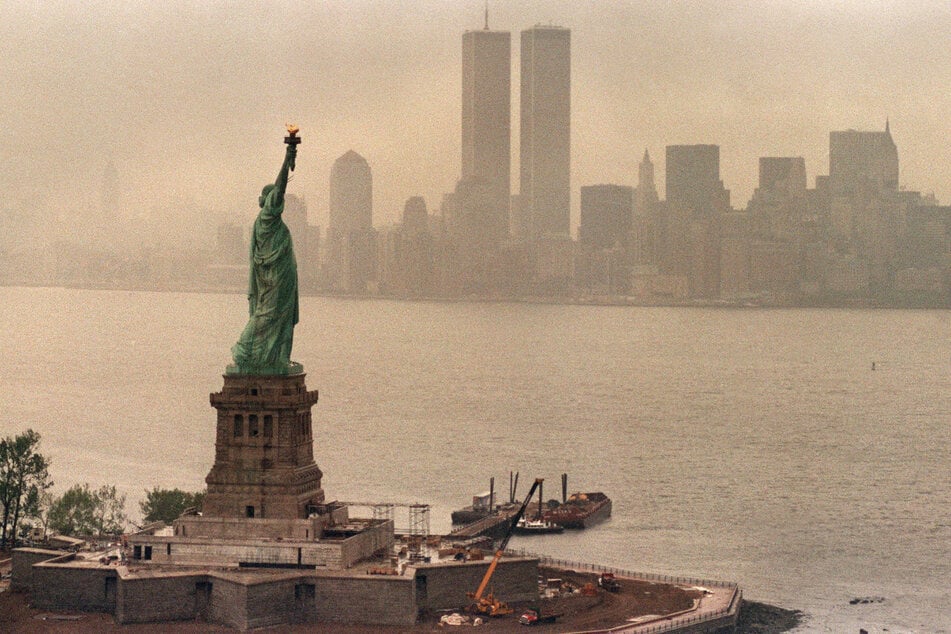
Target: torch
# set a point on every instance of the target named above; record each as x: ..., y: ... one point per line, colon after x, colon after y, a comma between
x: 292, y: 141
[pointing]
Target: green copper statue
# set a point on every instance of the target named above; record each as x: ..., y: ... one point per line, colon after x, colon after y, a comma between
x: 265, y: 343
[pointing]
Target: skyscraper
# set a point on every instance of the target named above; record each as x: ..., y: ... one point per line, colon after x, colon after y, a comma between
x: 351, y: 242
x: 486, y: 121
x: 604, y: 236
x: 545, y: 149
x: 693, y: 178
x: 646, y: 194
x: 351, y: 194
x: 866, y: 212
x: 696, y: 199
x: 782, y: 173
x: 862, y: 161
x: 648, y: 227
x: 606, y: 215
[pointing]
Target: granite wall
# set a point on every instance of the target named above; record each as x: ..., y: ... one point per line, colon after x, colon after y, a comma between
x: 22, y: 565
x: 443, y: 586
x: 65, y: 586
x: 372, y: 599
x: 169, y: 597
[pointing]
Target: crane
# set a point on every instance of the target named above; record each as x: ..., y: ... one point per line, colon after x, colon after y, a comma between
x: 489, y: 605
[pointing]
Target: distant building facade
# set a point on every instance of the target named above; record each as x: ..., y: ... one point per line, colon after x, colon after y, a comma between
x: 866, y: 212
x: 696, y: 200
x: 351, y: 249
x: 477, y: 213
x: 647, y: 229
x: 779, y: 228
x: 306, y: 239
x: 545, y: 131
x: 607, y: 213
x: 486, y: 122
x: 693, y: 179
x: 862, y: 161
x: 408, y: 254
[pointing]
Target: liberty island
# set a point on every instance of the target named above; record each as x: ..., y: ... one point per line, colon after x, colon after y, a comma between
x: 268, y: 549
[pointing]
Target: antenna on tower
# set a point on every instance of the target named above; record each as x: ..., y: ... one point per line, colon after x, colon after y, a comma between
x: 486, y: 15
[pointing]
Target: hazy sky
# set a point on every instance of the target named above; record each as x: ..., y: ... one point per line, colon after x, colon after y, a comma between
x: 189, y: 99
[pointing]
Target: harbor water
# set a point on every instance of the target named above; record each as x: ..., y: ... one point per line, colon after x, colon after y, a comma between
x: 753, y: 445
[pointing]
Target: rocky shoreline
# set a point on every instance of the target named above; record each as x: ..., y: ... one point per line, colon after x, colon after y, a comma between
x: 762, y: 618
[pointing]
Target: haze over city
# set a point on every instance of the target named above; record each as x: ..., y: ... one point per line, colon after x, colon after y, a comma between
x: 188, y: 100
x: 695, y: 255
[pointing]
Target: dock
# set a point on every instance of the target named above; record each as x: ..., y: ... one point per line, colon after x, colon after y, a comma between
x: 493, y: 526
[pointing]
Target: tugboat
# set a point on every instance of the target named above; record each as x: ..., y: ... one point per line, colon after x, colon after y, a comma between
x: 537, y: 527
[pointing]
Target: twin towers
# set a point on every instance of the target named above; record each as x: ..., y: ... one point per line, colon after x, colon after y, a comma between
x: 542, y: 207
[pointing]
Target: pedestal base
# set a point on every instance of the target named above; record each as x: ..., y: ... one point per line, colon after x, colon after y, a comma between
x: 264, y: 463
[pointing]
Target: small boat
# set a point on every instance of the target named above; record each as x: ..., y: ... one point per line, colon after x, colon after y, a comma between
x: 536, y: 527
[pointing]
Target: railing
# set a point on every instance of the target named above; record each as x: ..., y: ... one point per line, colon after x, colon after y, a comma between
x: 646, y: 576
x: 670, y: 623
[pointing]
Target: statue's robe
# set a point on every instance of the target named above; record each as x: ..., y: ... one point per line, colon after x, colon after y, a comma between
x: 265, y: 343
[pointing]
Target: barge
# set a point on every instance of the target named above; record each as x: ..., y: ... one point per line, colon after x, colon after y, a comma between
x: 486, y: 504
x: 481, y: 507
x: 580, y: 510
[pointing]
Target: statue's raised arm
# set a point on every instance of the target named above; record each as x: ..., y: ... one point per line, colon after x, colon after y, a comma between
x: 290, y: 157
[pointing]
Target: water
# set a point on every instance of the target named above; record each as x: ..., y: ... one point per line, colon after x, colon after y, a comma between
x: 749, y: 445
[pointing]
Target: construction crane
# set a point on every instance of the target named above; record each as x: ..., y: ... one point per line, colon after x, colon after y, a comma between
x: 489, y: 604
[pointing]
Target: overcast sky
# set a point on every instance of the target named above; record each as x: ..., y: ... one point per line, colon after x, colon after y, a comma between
x: 188, y: 99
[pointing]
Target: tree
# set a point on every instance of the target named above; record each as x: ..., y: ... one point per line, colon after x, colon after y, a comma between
x: 24, y: 475
x: 82, y: 510
x: 43, y: 515
x: 109, y: 517
x: 72, y: 512
x: 167, y: 504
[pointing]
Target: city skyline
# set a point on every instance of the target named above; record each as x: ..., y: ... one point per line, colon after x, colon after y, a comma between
x: 187, y: 126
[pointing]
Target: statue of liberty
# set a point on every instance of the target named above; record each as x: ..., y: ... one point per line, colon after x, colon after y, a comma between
x: 265, y: 343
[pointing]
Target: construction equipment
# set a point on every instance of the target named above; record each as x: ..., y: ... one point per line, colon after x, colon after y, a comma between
x: 488, y: 604
x: 609, y: 582
x: 533, y: 616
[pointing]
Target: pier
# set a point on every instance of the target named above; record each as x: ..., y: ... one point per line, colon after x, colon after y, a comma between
x: 490, y: 526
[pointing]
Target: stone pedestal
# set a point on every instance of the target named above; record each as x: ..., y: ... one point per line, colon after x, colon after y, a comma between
x: 264, y: 460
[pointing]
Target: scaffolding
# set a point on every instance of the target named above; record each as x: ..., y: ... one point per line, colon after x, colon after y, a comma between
x: 385, y: 512
x: 416, y: 515
x: 419, y: 520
